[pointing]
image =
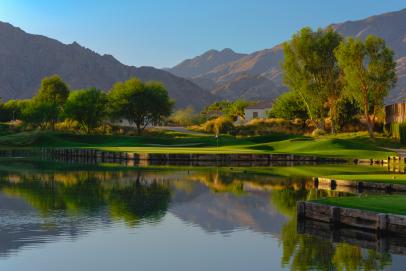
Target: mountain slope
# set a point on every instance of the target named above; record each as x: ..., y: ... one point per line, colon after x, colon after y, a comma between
x: 202, y: 64
x: 390, y: 26
x: 25, y: 59
x: 248, y: 87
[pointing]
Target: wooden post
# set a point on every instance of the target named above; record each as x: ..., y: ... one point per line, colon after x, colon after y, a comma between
x: 301, y: 210
x: 335, y: 216
x: 382, y: 223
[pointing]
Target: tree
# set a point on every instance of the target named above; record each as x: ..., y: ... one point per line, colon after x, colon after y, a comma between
x: 369, y: 73
x: 52, y: 91
x: 140, y: 103
x: 311, y: 69
x: 87, y: 106
x: 237, y: 109
x: 232, y: 110
x: 11, y: 110
x: 39, y: 113
x: 184, y: 116
x: 289, y: 106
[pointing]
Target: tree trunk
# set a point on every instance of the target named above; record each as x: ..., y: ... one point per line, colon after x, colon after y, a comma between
x: 322, y: 123
x: 370, y: 124
x: 138, y: 129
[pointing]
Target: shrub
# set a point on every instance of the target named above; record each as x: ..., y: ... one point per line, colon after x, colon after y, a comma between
x: 218, y: 125
x: 272, y: 125
x: 67, y: 125
x: 318, y: 132
x: 402, y: 133
x: 184, y: 117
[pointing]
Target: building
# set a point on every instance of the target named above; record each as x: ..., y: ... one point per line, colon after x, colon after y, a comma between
x: 395, y: 113
x: 257, y: 111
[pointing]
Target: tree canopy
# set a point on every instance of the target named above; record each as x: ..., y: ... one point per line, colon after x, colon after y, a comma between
x: 369, y: 73
x: 54, y: 90
x: 311, y: 69
x: 289, y: 106
x: 86, y: 106
x: 140, y: 103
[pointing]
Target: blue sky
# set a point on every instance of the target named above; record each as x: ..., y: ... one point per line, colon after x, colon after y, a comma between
x: 161, y: 33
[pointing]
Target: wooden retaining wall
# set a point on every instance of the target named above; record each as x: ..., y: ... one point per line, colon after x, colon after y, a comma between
x: 338, y: 216
x: 388, y: 243
x: 359, y: 186
x: 106, y: 155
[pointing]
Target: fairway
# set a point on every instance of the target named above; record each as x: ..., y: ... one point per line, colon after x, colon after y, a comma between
x: 350, y: 146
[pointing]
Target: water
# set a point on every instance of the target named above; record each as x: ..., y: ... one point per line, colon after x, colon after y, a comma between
x: 52, y: 218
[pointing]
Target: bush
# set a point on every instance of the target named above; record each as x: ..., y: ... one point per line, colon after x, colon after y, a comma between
x: 318, y: 132
x: 217, y: 125
x: 398, y: 131
x: 272, y: 125
x: 289, y: 105
x: 184, y: 117
x: 67, y: 125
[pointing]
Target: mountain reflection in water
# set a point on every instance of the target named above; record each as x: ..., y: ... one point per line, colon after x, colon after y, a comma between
x: 40, y: 207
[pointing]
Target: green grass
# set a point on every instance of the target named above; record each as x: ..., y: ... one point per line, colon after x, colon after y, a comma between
x: 356, y: 145
x: 394, y: 204
x: 368, y: 177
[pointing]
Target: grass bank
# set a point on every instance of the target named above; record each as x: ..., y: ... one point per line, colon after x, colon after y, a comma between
x: 394, y: 204
x: 354, y: 145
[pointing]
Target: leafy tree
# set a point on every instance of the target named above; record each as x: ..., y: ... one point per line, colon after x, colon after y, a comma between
x: 53, y: 91
x: 226, y: 108
x: 185, y: 116
x: 87, y: 106
x: 140, y: 103
x: 11, y: 110
x: 311, y: 69
x: 348, y: 110
x: 39, y: 113
x: 369, y: 73
x: 289, y: 106
x: 237, y: 109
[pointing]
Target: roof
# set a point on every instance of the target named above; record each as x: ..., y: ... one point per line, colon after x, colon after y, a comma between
x: 261, y: 105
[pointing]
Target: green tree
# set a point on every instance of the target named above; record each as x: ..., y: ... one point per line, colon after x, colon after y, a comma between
x: 236, y: 109
x: 232, y: 110
x: 52, y: 92
x: 310, y: 68
x: 39, y: 113
x: 140, y: 103
x: 184, y: 116
x: 289, y: 106
x: 369, y: 73
x: 87, y: 106
x: 11, y: 110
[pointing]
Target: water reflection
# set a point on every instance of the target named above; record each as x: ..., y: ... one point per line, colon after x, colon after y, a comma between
x: 44, y: 206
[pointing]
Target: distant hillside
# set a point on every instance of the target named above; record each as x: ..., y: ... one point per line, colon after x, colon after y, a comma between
x: 266, y: 63
x: 25, y: 59
x: 204, y: 63
x: 248, y: 87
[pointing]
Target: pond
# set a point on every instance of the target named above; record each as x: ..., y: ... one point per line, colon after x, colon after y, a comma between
x: 61, y: 217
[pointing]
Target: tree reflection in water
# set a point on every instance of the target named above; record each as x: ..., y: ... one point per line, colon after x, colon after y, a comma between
x: 308, y: 252
x: 130, y: 201
x: 133, y: 197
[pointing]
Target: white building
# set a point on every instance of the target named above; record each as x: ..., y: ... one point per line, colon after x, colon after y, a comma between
x: 257, y: 111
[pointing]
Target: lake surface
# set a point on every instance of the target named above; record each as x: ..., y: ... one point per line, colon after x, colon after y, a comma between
x: 168, y: 219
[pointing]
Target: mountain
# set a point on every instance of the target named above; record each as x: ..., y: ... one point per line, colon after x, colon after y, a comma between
x: 204, y: 63
x: 25, y: 59
x: 266, y: 63
x: 248, y: 87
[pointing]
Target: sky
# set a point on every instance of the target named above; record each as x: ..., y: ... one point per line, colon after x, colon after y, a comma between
x: 161, y: 33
